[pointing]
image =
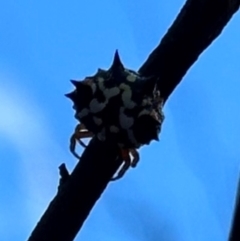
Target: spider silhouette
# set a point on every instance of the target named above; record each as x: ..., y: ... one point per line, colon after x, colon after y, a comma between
x: 120, y: 105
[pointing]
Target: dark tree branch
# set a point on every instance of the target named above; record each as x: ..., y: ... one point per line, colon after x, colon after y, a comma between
x: 78, y: 193
x: 64, y: 175
x: 235, y: 229
x: 197, y: 25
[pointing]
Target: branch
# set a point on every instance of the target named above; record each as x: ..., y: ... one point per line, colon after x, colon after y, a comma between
x: 78, y: 193
x: 197, y: 25
x: 235, y: 229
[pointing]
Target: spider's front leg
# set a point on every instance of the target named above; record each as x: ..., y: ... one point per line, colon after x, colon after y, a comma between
x: 126, y: 157
x: 135, y: 156
x: 79, y: 133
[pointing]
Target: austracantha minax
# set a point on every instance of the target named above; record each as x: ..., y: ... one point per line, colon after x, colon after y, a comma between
x: 117, y: 104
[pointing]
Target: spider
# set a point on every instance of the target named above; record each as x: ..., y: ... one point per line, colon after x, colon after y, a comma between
x: 118, y: 104
x: 145, y: 128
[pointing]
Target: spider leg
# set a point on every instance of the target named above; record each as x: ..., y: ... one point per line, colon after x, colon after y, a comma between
x: 79, y: 133
x: 124, y: 154
x: 135, y: 156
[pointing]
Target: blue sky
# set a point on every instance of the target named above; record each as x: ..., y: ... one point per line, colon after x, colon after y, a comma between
x: 184, y: 186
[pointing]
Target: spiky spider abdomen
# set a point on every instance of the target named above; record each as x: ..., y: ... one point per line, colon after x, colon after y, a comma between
x: 120, y: 105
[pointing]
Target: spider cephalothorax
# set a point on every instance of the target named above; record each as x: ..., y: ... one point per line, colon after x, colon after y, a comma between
x: 118, y: 104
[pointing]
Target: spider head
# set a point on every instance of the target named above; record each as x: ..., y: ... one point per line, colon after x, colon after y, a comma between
x: 146, y: 128
x: 148, y: 124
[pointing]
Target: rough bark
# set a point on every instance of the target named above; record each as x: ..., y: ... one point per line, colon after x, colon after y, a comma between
x: 197, y: 25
